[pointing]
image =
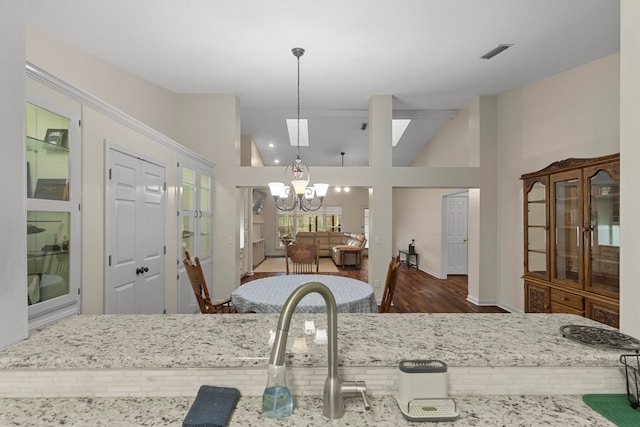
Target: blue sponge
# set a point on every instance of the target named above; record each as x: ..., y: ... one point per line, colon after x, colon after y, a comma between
x: 213, y: 407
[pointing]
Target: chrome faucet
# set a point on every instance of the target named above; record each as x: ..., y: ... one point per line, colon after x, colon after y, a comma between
x: 335, y: 390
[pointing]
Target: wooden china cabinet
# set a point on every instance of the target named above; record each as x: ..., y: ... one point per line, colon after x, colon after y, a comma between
x: 572, y: 238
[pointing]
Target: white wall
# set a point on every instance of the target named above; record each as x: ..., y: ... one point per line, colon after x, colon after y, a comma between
x: 630, y: 172
x: 352, y: 204
x: 450, y: 147
x: 13, y: 265
x: 571, y: 114
x: 417, y: 214
x: 132, y: 95
x: 147, y: 102
x: 97, y: 128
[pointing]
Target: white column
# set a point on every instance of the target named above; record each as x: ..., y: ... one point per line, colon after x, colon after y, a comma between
x: 381, y: 196
x: 630, y: 173
x: 489, y: 231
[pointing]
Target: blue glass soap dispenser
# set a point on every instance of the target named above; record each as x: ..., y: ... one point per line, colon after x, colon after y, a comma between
x: 277, y: 401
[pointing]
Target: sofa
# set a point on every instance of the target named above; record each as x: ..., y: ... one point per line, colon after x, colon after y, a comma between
x: 330, y: 242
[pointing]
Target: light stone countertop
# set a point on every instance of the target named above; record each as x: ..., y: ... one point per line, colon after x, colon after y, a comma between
x: 478, y: 411
x: 229, y: 341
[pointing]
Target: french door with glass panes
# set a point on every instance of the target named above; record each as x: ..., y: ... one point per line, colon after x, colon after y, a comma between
x: 195, y: 225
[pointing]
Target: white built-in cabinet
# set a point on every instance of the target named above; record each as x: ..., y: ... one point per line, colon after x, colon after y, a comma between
x: 195, y: 225
x: 53, y: 201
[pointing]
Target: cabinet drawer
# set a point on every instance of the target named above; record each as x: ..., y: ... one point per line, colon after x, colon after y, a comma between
x: 565, y: 298
x: 561, y: 308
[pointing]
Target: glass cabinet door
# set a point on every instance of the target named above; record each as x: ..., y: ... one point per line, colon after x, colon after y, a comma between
x: 52, y: 155
x: 47, y: 255
x: 566, y: 221
x: 603, y: 231
x: 205, y: 216
x: 196, y: 212
x: 188, y: 212
x: 536, y: 227
x: 195, y: 195
x: 47, y: 153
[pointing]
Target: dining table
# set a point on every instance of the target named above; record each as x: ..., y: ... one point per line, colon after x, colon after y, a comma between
x: 268, y: 294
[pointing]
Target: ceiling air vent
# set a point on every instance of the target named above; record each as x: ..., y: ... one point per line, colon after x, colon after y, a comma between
x: 501, y: 48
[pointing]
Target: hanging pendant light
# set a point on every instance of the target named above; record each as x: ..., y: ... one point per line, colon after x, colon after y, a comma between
x: 295, y: 192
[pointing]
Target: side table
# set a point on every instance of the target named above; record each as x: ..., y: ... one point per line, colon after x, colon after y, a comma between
x: 407, y: 257
x: 356, y: 251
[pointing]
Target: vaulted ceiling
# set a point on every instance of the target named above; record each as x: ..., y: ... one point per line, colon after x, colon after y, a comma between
x: 426, y: 53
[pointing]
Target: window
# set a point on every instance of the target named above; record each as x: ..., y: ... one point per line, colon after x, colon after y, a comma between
x: 290, y: 223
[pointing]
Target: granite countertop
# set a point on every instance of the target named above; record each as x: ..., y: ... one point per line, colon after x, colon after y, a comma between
x: 196, y: 341
x: 478, y: 411
x: 240, y: 341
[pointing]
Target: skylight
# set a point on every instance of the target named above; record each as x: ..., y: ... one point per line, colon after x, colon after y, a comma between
x: 398, y: 126
x: 292, y: 127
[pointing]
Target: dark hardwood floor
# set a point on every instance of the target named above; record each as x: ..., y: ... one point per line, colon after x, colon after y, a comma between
x: 416, y: 291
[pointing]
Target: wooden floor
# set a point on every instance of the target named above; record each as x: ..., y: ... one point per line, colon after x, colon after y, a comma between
x: 416, y: 291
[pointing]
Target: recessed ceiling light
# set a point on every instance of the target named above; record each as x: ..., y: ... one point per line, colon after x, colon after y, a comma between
x: 276, y: 161
x: 292, y: 127
x: 398, y: 126
x: 271, y: 145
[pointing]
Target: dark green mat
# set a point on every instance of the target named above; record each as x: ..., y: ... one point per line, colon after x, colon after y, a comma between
x: 615, y: 408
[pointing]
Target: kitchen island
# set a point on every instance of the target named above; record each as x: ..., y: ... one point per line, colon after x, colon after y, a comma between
x: 478, y: 411
x: 503, y: 368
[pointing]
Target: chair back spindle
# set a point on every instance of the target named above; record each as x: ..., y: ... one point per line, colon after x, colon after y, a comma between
x: 304, y: 258
x: 201, y: 291
x: 390, y: 285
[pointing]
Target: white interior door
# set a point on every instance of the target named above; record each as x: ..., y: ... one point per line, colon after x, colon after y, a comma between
x: 150, y: 295
x: 456, y: 234
x: 135, y: 212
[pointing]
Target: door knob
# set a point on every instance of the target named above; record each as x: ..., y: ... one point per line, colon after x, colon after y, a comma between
x: 141, y: 270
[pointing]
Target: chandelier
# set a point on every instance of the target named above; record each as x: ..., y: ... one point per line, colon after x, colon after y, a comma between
x: 295, y: 192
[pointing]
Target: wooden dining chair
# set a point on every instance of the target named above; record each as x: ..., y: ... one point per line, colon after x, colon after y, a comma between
x: 200, y: 289
x: 389, y: 285
x: 304, y: 258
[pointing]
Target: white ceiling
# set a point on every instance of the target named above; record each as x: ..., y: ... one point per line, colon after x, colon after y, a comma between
x: 426, y: 53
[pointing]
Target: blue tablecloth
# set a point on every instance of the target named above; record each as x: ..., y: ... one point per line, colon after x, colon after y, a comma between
x: 269, y: 294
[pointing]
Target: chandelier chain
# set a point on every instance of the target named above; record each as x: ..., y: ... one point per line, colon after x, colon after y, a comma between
x: 298, y: 139
x: 295, y: 193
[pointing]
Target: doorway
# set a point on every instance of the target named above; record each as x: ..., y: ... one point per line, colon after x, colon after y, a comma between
x: 455, y: 239
x: 135, y: 198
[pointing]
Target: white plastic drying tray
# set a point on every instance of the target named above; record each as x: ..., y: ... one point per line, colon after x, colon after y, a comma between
x: 444, y: 409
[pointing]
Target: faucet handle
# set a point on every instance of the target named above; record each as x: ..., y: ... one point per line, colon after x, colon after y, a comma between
x: 352, y: 388
x: 363, y: 392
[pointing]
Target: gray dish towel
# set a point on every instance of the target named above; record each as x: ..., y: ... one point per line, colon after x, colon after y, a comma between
x: 213, y: 407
